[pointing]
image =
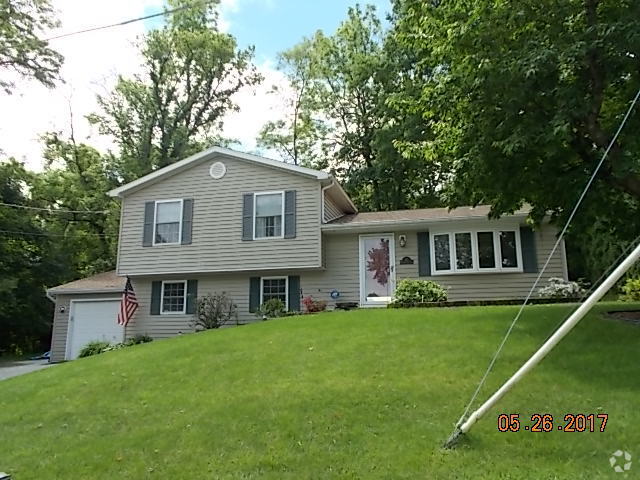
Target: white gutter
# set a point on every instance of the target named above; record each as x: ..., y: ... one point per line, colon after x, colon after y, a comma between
x: 407, y: 223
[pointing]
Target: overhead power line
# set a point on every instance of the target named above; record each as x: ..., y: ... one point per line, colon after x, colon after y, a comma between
x: 52, y: 210
x: 66, y: 235
x: 127, y: 22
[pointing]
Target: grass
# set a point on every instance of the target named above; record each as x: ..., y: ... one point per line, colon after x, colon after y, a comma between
x: 362, y: 394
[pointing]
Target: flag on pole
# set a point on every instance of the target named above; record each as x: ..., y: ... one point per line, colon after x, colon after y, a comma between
x: 128, y: 304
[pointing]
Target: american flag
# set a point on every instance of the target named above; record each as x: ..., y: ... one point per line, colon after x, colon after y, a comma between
x: 128, y: 304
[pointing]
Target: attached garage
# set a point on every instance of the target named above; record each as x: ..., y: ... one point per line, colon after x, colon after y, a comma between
x: 92, y: 320
x: 86, y: 310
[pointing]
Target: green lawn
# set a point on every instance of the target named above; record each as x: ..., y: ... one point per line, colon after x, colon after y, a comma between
x: 362, y: 394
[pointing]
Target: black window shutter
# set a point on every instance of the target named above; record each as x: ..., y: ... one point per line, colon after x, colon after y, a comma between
x: 156, y: 288
x: 294, y: 293
x: 147, y: 233
x: 254, y: 294
x: 192, y: 296
x: 529, y: 255
x: 247, y: 216
x: 424, y: 254
x: 290, y: 214
x: 187, y: 220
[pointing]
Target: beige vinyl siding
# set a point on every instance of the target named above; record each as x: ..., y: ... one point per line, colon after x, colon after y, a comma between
x: 331, y: 210
x: 342, y: 274
x: 342, y: 269
x: 217, y: 244
x: 61, y: 320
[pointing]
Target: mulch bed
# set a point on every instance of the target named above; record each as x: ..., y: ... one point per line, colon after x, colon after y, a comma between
x: 632, y: 316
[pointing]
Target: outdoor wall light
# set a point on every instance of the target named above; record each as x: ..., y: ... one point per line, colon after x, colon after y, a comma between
x: 402, y: 240
x: 61, y: 310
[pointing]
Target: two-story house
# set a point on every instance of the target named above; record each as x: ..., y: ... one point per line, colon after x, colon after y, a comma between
x: 255, y: 228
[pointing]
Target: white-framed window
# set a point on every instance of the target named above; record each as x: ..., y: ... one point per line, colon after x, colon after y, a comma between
x: 268, y: 215
x: 274, y: 287
x: 173, y: 297
x: 476, y: 251
x: 167, y: 222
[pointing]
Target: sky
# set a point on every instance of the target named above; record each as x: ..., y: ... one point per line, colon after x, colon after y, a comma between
x: 94, y: 60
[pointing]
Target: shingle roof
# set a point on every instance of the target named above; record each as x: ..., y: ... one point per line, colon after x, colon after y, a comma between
x: 102, y: 282
x: 417, y: 215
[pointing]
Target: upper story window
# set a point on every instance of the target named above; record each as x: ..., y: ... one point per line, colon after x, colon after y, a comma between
x: 475, y: 251
x: 268, y: 216
x: 168, y: 222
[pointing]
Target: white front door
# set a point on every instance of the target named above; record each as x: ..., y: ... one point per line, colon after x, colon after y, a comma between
x: 93, y: 320
x: 377, y: 269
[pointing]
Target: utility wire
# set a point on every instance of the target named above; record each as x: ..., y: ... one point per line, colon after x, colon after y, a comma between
x: 546, y: 264
x: 52, y: 210
x: 127, y: 22
x: 76, y: 234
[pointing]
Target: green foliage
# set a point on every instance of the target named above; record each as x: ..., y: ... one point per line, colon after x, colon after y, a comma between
x: 22, y: 51
x: 340, y: 116
x: 272, y: 308
x: 94, y: 348
x: 313, y: 306
x: 214, y: 311
x: 175, y: 106
x: 372, y: 391
x: 28, y: 263
x: 97, y: 347
x: 631, y: 290
x: 523, y: 104
x: 413, y: 292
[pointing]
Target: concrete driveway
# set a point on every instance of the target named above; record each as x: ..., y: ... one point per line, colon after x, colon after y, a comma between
x: 20, y: 367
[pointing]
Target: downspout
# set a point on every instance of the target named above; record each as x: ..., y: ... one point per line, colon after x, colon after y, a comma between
x: 49, y: 296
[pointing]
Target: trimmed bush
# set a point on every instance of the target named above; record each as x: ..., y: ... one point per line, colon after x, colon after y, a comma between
x: 559, y: 288
x: 631, y: 290
x: 313, y: 306
x: 413, y: 292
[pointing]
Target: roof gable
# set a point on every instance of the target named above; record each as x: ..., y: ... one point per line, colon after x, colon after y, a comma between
x: 210, y: 154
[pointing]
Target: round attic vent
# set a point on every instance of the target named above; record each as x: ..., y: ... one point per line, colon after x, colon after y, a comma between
x: 217, y: 170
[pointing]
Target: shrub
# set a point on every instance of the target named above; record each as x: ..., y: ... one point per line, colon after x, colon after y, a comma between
x: 559, y: 288
x: 93, y: 348
x: 271, y: 309
x: 312, y: 306
x: 413, y: 292
x: 138, y: 339
x: 214, y: 311
x: 631, y: 290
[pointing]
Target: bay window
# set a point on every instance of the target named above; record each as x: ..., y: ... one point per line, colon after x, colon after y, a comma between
x: 476, y: 251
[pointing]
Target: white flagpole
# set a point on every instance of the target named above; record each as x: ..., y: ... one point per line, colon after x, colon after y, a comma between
x: 559, y: 334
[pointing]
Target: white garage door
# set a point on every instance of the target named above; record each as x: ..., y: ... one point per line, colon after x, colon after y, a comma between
x: 90, y: 321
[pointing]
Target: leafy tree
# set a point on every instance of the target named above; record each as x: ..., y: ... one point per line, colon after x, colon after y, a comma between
x: 175, y: 107
x: 76, y: 179
x: 343, y: 118
x: 300, y: 138
x: 22, y: 51
x: 26, y: 265
x: 524, y: 98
